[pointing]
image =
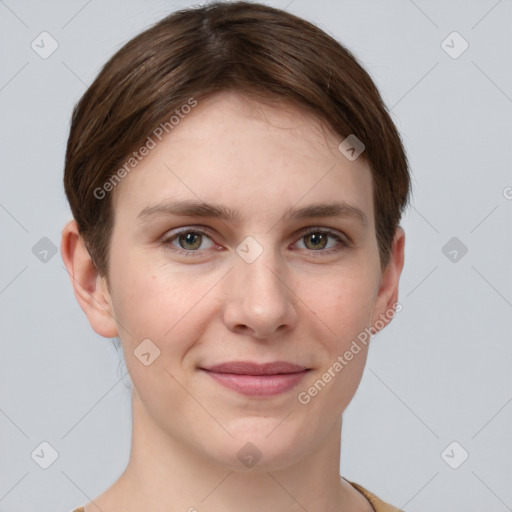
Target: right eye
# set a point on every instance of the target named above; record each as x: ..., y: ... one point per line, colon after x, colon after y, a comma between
x: 188, y: 241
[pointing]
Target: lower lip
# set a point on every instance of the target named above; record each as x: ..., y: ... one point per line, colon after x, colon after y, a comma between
x: 258, y: 385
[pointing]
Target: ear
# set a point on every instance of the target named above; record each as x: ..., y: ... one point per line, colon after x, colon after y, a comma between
x: 90, y: 288
x: 387, y: 295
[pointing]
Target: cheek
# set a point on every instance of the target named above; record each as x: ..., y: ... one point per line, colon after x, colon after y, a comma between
x: 149, y: 305
x: 344, y: 302
x: 156, y: 302
x: 148, y: 301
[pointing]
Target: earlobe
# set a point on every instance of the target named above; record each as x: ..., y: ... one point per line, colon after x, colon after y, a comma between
x: 387, y: 296
x: 89, y: 287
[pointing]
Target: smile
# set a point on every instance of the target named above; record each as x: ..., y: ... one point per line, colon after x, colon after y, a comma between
x: 262, y: 380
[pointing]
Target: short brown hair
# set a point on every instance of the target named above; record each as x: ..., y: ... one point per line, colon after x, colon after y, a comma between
x: 197, y: 52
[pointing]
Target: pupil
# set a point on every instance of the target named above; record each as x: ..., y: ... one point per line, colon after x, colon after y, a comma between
x: 190, y: 238
x: 317, y: 239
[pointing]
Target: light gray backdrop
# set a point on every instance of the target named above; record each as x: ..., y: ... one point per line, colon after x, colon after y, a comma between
x: 439, y: 374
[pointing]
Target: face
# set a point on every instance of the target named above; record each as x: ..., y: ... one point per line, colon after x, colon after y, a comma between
x: 245, y: 236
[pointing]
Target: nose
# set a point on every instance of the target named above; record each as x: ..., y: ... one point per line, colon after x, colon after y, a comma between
x: 260, y: 302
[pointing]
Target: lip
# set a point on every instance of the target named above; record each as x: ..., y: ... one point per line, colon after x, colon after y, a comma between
x: 253, y: 379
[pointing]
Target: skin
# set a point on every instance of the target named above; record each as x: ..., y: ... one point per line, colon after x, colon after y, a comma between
x: 296, y: 302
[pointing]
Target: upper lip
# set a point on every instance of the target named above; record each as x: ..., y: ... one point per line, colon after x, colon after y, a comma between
x: 249, y: 368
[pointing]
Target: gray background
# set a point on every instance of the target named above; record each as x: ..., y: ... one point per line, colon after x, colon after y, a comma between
x: 439, y: 373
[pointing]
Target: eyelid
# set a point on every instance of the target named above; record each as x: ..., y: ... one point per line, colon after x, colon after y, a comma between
x: 329, y: 231
x: 171, y: 235
x: 343, y: 240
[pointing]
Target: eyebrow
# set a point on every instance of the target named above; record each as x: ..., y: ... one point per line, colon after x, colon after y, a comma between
x: 188, y: 208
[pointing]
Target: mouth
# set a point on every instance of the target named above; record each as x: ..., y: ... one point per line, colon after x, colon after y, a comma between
x: 252, y: 379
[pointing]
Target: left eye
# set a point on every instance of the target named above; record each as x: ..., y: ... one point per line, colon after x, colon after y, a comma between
x: 317, y: 240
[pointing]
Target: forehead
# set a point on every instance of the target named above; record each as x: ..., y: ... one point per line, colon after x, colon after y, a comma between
x: 283, y: 121
x: 249, y: 153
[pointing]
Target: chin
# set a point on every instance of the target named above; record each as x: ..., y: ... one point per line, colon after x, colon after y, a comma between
x: 260, y: 449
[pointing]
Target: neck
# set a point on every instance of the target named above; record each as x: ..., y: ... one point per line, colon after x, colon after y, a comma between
x: 165, y: 475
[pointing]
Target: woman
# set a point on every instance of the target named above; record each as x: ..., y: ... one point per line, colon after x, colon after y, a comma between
x: 236, y: 185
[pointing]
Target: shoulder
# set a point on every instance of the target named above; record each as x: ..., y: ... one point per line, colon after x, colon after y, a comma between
x: 377, y: 504
x: 80, y: 509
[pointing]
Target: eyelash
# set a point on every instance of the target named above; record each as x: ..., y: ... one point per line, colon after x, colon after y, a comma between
x: 343, y: 244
